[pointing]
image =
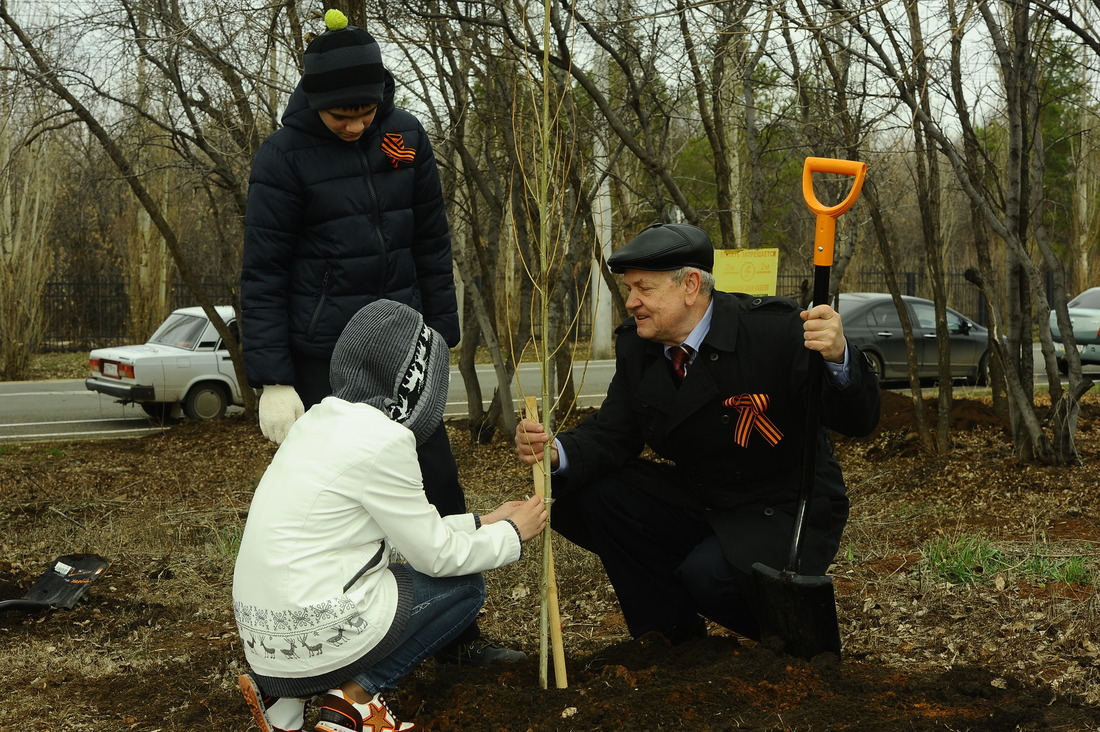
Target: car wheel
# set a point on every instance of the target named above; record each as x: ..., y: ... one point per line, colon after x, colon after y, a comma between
x: 159, y: 412
x: 877, y: 366
x: 205, y: 401
x: 1063, y: 367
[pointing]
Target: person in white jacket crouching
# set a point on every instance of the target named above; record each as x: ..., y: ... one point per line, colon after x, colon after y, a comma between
x: 320, y: 607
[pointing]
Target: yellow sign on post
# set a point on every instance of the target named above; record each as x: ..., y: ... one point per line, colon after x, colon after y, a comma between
x: 754, y: 271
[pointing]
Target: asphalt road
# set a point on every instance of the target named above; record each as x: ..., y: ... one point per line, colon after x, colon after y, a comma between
x: 64, y: 410
x: 33, y: 411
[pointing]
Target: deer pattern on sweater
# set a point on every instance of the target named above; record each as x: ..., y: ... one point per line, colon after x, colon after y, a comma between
x: 284, y: 634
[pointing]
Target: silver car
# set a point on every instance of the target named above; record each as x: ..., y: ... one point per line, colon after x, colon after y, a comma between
x: 184, y: 366
x: 872, y: 323
x: 1084, y: 314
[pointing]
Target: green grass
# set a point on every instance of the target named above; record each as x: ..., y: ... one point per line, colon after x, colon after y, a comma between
x: 1069, y: 570
x: 47, y: 366
x: 48, y: 453
x: 963, y: 559
x: 971, y: 559
x: 226, y: 541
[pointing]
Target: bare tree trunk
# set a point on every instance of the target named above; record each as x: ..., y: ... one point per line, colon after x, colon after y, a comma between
x: 27, y: 200
x: 720, y: 96
x: 146, y: 262
x: 882, y: 238
x: 997, y: 363
x: 211, y: 132
x: 1085, y: 221
x: 928, y: 192
x: 503, y: 369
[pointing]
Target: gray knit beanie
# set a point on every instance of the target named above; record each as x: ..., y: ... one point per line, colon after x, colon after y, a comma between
x: 388, y: 358
x: 342, y: 67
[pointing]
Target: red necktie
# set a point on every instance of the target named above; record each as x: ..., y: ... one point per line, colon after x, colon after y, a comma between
x: 681, y: 357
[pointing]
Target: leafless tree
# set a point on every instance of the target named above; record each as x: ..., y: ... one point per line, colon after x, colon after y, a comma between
x: 203, y: 104
x: 1004, y: 196
x: 28, y: 198
x: 706, y: 109
x: 1080, y: 18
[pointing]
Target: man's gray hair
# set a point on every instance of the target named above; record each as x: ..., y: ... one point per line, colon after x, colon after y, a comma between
x: 706, y: 279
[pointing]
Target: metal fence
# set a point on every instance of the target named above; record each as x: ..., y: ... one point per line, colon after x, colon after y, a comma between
x: 961, y: 295
x: 85, y: 315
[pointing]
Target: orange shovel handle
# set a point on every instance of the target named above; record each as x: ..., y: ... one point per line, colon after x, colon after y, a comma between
x: 825, y: 230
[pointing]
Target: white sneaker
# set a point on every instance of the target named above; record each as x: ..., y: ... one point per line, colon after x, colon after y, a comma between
x: 265, y: 707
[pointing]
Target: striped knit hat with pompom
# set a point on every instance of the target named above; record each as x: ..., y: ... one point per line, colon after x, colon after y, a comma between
x: 343, y: 67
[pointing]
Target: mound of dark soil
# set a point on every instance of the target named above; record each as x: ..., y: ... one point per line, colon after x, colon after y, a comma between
x: 153, y: 646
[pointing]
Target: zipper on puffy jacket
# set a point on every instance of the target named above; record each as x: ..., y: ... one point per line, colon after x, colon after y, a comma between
x: 312, y: 330
x: 376, y: 215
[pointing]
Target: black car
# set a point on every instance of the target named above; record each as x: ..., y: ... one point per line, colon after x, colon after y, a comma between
x: 871, y: 322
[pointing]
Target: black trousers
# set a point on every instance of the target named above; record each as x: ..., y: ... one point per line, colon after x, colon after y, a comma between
x: 663, y: 559
x: 437, y: 463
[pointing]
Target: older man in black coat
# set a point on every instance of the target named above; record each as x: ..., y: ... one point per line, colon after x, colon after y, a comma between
x: 715, y: 385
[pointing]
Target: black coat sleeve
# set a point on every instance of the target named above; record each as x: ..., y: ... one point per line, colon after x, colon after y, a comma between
x: 272, y: 227
x: 432, y: 248
x: 853, y: 410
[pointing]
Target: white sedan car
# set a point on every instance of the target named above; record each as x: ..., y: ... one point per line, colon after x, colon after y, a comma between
x: 184, y: 366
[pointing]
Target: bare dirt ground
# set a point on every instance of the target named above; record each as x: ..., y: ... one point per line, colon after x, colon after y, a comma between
x: 1009, y: 641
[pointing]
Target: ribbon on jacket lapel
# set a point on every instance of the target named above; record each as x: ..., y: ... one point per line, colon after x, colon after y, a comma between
x: 753, y: 408
x: 393, y: 144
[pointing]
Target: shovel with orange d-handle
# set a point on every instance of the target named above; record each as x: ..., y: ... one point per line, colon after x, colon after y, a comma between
x: 799, y: 611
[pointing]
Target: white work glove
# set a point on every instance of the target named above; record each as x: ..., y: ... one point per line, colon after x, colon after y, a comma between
x: 280, y: 405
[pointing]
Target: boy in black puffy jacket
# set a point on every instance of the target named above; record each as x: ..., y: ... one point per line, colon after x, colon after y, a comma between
x: 345, y: 207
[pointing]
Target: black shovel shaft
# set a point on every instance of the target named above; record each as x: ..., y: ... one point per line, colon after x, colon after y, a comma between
x: 800, y: 611
x: 22, y: 604
x: 809, y: 447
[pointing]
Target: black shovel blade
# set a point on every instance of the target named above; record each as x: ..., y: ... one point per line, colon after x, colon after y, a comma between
x: 798, y: 612
x: 67, y: 579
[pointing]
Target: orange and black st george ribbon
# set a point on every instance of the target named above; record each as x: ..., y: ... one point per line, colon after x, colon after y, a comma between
x: 393, y: 144
x: 753, y: 416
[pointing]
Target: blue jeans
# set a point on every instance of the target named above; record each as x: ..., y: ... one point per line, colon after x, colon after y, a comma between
x: 442, y: 608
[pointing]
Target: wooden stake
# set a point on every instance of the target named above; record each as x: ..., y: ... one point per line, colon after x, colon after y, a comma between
x: 549, y: 614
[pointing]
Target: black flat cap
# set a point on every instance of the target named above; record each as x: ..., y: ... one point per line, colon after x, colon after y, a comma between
x: 665, y: 247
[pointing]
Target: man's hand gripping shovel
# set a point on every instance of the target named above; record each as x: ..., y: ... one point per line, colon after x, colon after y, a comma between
x: 799, y: 610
